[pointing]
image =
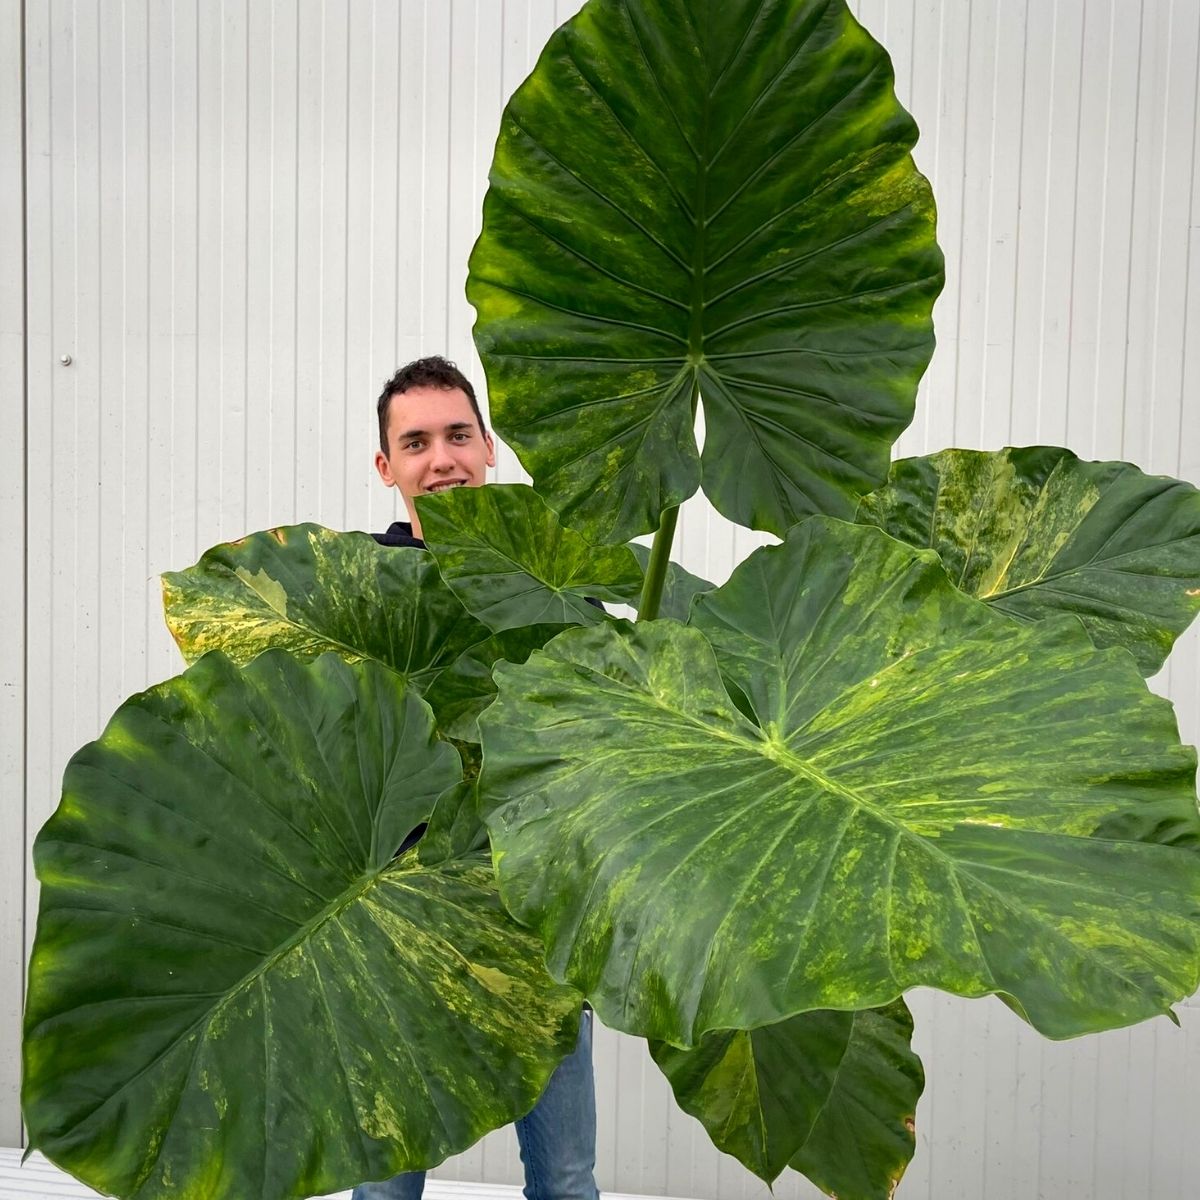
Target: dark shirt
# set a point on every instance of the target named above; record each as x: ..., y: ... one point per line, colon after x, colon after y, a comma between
x: 399, y: 533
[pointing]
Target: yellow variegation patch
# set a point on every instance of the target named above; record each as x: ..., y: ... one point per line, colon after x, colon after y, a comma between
x: 1037, y: 533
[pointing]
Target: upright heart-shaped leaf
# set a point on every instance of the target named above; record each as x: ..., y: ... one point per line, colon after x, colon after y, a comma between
x: 235, y: 990
x: 511, y: 563
x: 929, y: 793
x: 831, y: 1094
x: 709, y: 197
x: 1037, y: 533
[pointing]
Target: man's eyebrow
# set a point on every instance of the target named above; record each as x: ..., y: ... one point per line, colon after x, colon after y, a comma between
x: 453, y: 427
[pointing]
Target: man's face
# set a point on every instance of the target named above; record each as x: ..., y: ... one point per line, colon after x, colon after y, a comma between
x: 434, y: 442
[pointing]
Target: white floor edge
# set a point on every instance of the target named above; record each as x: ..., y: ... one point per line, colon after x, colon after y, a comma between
x: 39, y: 1179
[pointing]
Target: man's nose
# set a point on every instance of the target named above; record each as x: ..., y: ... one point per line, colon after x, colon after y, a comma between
x: 441, y: 459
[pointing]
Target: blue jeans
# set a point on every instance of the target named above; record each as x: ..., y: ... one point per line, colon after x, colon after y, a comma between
x: 557, y: 1137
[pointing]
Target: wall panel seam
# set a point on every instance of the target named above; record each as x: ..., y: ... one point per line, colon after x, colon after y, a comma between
x: 1187, y: 283
x: 26, y: 882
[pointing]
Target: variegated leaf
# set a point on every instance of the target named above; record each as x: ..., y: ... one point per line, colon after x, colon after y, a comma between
x: 1035, y: 532
x: 310, y: 590
x: 235, y: 990
x: 926, y: 792
x: 505, y: 555
x: 831, y: 1094
x: 713, y: 200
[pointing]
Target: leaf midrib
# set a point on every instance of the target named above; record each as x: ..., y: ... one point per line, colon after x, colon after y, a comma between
x: 354, y: 654
x: 787, y: 760
x: 565, y: 547
x: 303, y: 933
x: 1093, y: 564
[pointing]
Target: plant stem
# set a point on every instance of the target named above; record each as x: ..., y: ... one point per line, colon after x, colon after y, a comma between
x: 660, y: 549
x: 656, y: 570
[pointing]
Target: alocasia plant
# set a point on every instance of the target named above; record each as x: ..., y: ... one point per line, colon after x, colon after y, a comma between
x: 913, y: 750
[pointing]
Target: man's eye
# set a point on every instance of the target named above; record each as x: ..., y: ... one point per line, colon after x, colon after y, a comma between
x: 414, y: 445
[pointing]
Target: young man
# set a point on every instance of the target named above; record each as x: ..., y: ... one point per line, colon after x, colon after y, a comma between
x: 432, y: 437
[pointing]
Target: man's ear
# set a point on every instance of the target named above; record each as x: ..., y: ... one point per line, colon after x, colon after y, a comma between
x: 385, y: 469
x: 491, y: 447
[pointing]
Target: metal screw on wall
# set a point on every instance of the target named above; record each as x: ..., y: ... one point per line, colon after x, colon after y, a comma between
x: 65, y: 360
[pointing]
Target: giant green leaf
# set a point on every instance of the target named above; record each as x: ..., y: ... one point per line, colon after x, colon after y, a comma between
x: 928, y: 793
x: 712, y: 196
x: 1035, y: 532
x: 309, y: 590
x: 511, y: 563
x: 235, y: 990
x: 831, y: 1094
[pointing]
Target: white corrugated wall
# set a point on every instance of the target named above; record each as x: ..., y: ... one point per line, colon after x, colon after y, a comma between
x: 241, y: 215
x: 12, y: 560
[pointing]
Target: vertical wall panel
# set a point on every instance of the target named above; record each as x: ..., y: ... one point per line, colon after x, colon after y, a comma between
x: 12, y: 554
x: 193, y: 411
x: 64, y: 439
x: 940, y: 154
x: 309, y: 252
x: 245, y: 213
x: 38, y: 242
x: 374, y: 165
x: 330, y: 199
